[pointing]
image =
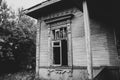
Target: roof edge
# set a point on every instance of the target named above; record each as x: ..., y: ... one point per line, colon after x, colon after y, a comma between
x: 41, y: 5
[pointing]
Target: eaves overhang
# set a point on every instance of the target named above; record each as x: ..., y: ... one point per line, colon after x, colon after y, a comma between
x: 98, y: 9
x: 44, y: 8
x: 31, y: 11
x: 48, y: 7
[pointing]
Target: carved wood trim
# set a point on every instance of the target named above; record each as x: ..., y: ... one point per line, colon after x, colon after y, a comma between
x: 58, y: 22
x: 70, y: 62
x: 76, y: 67
x: 58, y: 19
x: 38, y: 37
x: 60, y: 13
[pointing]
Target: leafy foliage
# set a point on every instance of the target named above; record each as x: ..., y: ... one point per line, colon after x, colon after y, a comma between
x: 19, y: 76
x: 17, y: 40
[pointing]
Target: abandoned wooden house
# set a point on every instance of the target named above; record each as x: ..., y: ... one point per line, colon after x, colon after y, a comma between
x: 61, y: 40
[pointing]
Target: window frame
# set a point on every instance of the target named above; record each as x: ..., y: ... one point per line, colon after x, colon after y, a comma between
x: 58, y: 22
x: 60, y: 53
x: 59, y: 40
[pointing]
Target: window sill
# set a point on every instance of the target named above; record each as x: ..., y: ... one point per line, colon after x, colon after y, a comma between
x: 60, y: 67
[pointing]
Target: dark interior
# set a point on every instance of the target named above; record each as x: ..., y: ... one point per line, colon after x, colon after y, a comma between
x: 64, y: 53
x: 60, y: 53
x: 56, y: 55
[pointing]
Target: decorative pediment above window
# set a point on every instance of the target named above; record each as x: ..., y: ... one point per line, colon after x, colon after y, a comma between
x: 58, y: 19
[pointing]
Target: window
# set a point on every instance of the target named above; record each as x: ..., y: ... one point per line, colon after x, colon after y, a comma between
x: 59, y: 46
x: 56, y: 52
x: 60, y: 33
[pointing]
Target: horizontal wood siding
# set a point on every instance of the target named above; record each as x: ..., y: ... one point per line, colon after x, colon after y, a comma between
x: 102, y: 43
x: 44, y: 45
x: 78, y: 40
x: 79, y: 54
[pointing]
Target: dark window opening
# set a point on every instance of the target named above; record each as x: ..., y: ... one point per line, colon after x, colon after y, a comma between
x: 56, y: 43
x: 56, y: 55
x: 60, y: 56
x: 64, y: 53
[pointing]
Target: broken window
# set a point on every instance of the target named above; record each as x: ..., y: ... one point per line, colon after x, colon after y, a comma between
x: 59, y: 46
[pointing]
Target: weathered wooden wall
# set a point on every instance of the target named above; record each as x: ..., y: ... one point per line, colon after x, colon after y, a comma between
x: 102, y: 43
x: 44, y: 58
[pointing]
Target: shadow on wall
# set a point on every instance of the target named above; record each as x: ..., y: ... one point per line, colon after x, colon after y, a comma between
x: 108, y: 74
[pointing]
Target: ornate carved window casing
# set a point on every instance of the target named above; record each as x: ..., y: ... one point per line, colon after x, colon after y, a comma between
x: 59, y: 40
x: 59, y: 34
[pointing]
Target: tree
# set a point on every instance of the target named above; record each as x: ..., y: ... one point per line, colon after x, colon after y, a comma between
x: 6, y: 25
x: 26, y: 28
x: 17, y: 39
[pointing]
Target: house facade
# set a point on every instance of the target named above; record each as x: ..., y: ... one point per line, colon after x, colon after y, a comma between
x: 60, y: 44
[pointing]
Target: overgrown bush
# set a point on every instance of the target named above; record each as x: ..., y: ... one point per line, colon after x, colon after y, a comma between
x: 19, y: 76
x: 17, y: 40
